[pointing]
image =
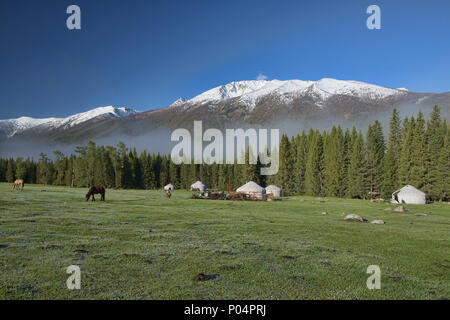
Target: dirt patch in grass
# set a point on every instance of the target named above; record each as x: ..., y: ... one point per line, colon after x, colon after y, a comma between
x: 296, y: 278
x: 51, y: 246
x: 290, y: 257
x: 227, y: 252
x: 230, y: 267
x: 82, y: 253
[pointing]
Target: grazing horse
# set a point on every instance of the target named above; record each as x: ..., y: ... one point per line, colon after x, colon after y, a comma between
x: 95, y: 190
x: 18, y: 184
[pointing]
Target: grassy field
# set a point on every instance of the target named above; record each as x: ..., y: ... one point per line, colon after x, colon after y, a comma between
x: 141, y: 245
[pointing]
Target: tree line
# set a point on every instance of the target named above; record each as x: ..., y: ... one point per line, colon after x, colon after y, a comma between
x: 333, y: 163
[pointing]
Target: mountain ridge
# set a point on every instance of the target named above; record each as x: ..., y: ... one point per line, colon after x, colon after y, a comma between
x: 13, y: 126
x: 289, y: 105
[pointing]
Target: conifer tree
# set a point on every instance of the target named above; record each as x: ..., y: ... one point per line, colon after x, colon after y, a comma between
x: 357, y: 172
x: 406, y: 153
x: 392, y: 157
x: 21, y: 169
x: 300, y: 163
x: 334, y: 163
x: 435, y: 142
x: 442, y: 184
x: 10, y: 171
x: 418, y: 153
x: 314, y: 166
x: 375, y: 149
x: 285, y: 171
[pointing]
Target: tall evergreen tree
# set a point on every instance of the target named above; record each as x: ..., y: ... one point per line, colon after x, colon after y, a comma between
x: 391, y: 163
x: 375, y: 148
x: 334, y: 163
x: 435, y: 142
x: 406, y: 152
x: 285, y: 171
x: 418, y: 154
x: 314, y: 166
x: 442, y: 183
x: 357, y: 170
x: 300, y: 163
x: 10, y: 171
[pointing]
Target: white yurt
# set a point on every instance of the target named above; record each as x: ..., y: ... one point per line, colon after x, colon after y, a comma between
x: 198, y: 186
x: 273, y: 190
x: 409, y: 195
x: 252, y: 189
x: 169, y: 187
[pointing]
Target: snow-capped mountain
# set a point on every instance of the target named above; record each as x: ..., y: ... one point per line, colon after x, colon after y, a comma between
x: 290, y: 106
x: 249, y: 92
x: 12, y: 127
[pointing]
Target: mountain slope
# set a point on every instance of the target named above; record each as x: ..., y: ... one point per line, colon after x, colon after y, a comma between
x: 290, y: 105
x: 12, y: 127
x: 249, y: 92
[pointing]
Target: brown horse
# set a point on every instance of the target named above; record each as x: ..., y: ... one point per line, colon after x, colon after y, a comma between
x: 96, y: 190
x: 18, y: 184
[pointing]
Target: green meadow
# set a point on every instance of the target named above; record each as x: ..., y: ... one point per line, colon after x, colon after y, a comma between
x: 141, y: 245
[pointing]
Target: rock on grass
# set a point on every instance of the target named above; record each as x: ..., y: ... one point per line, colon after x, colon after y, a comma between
x: 354, y: 217
x: 400, y: 209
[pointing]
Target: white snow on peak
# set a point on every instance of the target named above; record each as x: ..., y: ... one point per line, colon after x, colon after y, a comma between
x: 14, y: 126
x: 250, y: 91
x: 178, y: 102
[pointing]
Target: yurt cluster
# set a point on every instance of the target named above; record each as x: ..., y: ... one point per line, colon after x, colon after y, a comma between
x: 249, y: 191
x: 252, y: 191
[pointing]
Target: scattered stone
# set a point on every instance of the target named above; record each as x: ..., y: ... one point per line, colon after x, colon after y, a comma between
x: 354, y: 217
x: 388, y: 209
x: 326, y: 263
x: 421, y: 215
x: 378, y: 222
x: 400, y: 209
x: 324, y: 213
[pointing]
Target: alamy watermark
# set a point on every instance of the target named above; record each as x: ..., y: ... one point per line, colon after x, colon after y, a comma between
x: 374, y: 281
x: 253, y: 140
x: 73, y: 22
x: 74, y: 281
x: 374, y: 20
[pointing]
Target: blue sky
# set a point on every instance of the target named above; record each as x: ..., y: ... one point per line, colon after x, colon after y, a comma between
x: 145, y: 54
